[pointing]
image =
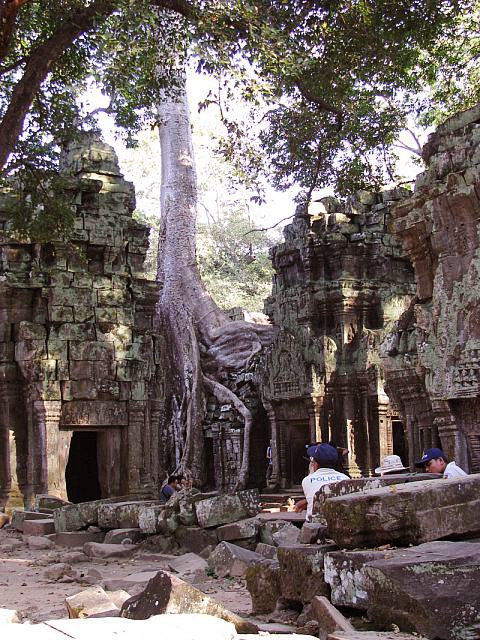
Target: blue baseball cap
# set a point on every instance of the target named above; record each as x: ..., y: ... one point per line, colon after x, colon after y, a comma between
x: 324, y: 454
x: 430, y: 454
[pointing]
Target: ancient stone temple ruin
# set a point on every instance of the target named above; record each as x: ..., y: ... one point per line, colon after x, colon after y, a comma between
x: 341, y: 279
x: 377, y: 350
x: 432, y: 359
x: 78, y: 350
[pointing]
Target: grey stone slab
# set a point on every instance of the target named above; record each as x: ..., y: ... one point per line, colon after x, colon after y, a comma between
x: 405, y: 514
x: 78, y: 538
x: 345, y: 573
x: 329, y: 617
x: 263, y: 584
x: 431, y: 589
x: 301, y: 571
x: 19, y: 516
x: 195, y: 539
x: 228, y: 559
x: 223, y: 509
x: 362, y: 485
x: 121, y: 515
x: 238, y: 530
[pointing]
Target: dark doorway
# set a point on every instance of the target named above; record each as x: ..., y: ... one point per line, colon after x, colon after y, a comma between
x: 300, y: 436
x: 81, y: 474
x: 210, y: 463
x: 399, y: 444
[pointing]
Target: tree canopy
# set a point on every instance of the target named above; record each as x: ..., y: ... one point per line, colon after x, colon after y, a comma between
x: 338, y: 77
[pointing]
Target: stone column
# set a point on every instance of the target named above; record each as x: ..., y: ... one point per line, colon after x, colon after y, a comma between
x: 136, y: 426
x: 410, y: 427
x: 452, y: 439
x: 385, y: 430
x: 313, y: 420
x: 5, y: 473
x: 11, y: 404
x: 274, y: 479
x: 284, y: 443
x: 48, y: 476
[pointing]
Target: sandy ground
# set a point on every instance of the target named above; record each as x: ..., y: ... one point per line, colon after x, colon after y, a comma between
x: 25, y: 587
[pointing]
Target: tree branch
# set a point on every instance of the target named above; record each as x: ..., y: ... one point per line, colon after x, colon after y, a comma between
x: 13, y: 66
x: 320, y: 103
x: 267, y: 228
x: 45, y: 56
x: 8, y: 17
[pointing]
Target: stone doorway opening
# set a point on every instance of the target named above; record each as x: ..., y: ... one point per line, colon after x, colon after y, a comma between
x: 81, y: 473
x: 399, y: 441
x: 300, y: 436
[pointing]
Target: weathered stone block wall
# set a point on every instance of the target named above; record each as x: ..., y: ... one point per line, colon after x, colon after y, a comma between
x: 77, y: 341
x: 341, y: 280
x: 223, y: 430
x: 433, y: 368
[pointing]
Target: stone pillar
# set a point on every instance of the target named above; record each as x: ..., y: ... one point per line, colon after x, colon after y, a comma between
x: 451, y: 439
x: 410, y: 427
x: 385, y: 430
x: 5, y: 473
x: 283, y: 459
x: 313, y: 420
x: 47, y: 477
x: 136, y: 427
x: 274, y: 479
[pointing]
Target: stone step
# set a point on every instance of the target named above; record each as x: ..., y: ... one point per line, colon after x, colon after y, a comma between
x: 41, y: 527
x: 78, y: 538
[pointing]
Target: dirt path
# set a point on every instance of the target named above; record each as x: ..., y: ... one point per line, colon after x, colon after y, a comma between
x: 26, y: 582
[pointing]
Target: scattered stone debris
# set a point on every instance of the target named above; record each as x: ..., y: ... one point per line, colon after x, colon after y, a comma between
x: 229, y: 559
x: 95, y: 602
x: 329, y: 617
x: 166, y: 593
x: 9, y: 615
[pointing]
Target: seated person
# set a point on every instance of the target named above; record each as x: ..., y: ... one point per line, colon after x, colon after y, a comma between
x: 391, y: 464
x: 173, y: 485
x: 323, y: 458
x: 435, y: 461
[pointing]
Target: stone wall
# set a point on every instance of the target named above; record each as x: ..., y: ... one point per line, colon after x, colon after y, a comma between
x: 433, y: 357
x: 78, y: 365
x: 341, y: 280
x: 224, y: 428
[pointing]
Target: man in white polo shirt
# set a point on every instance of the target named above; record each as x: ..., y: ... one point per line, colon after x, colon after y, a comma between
x: 323, y: 458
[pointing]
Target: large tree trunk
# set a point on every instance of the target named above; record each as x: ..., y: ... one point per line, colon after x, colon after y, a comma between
x: 204, y: 344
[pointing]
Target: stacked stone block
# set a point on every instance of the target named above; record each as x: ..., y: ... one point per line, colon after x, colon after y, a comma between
x: 341, y: 280
x: 432, y: 359
x: 78, y: 342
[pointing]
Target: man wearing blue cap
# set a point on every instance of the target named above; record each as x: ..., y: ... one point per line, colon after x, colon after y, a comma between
x: 323, y: 458
x: 435, y: 461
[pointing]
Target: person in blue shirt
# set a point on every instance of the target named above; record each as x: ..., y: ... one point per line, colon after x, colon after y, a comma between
x: 173, y: 485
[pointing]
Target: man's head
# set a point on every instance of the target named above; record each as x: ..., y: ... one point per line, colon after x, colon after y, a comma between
x: 433, y: 460
x: 322, y: 455
x: 175, y: 482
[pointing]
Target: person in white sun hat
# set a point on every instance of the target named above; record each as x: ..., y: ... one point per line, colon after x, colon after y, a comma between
x: 391, y: 464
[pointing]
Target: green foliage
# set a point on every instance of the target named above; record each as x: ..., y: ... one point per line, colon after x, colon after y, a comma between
x: 451, y: 69
x: 338, y: 79
x: 40, y: 208
x: 233, y: 261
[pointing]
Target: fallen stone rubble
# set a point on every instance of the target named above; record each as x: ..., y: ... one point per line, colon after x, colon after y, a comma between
x: 308, y: 577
